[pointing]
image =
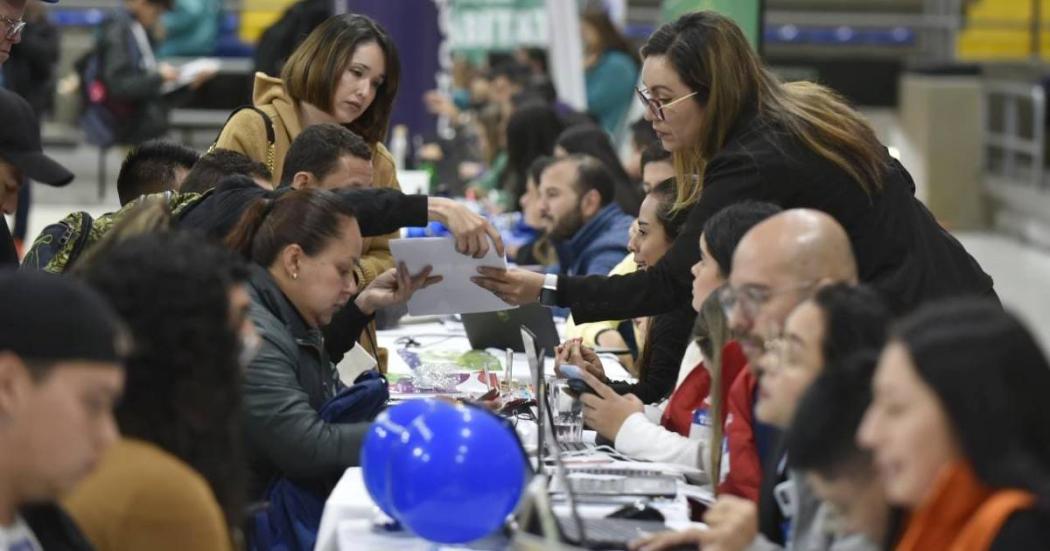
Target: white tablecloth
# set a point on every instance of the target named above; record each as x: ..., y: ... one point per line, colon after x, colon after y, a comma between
x: 350, y: 520
x: 350, y: 514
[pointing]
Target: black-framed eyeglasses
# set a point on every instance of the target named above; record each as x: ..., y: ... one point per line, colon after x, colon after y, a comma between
x: 655, y: 106
x: 14, y: 26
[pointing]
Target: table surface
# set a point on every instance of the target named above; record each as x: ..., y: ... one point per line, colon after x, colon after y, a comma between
x: 434, y: 335
x: 350, y: 516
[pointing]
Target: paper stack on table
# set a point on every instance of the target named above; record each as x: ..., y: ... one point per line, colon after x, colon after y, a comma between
x: 456, y: 293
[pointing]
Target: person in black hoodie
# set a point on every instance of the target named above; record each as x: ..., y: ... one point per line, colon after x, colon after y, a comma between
x: 738, y: 133
x: 61, y: 353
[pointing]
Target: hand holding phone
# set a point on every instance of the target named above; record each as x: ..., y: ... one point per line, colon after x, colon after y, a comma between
x: 574, y: 374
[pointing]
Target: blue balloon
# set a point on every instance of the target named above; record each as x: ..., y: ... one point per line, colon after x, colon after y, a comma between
x: 386, y: 431
x: 457, y: 476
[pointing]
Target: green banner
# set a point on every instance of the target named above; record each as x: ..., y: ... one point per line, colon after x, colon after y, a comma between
x: 745, y: 13
x: 478, y: 26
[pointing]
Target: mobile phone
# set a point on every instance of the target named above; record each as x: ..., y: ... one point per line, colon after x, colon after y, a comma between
x: 574, y: 375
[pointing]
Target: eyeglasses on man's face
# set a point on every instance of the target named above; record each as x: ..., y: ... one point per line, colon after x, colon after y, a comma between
x: 751, y: 298
x: 13, y: 27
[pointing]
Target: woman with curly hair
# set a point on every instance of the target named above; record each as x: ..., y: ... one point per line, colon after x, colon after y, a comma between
x: 174, y: 481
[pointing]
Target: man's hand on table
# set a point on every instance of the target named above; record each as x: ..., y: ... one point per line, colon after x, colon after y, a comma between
x: 471, y: 231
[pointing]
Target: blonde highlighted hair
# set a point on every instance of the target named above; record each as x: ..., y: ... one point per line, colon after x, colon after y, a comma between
x: 712, y: 56
x: 712, y: 333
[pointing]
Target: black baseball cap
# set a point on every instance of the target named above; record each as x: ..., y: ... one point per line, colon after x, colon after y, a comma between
x: 52, y: 317
x: 20, y: 142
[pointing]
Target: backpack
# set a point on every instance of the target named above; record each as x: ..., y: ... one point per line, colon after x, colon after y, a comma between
x: 59, y: 245
x: 280, y: 39
x: 99, y: 113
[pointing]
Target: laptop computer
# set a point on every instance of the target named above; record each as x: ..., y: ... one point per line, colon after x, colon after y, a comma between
x: 590, y: 533
x: 501, y: 329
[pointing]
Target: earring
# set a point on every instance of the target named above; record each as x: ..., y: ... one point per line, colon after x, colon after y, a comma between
x: 295, y: 275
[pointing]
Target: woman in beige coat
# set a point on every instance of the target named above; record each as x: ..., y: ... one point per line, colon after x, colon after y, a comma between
x: 345, y: 72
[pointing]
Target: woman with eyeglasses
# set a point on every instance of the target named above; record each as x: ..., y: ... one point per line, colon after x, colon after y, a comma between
x: 730, y: 121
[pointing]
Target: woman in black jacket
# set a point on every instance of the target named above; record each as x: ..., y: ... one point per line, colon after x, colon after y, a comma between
x: 738, y: 133
x: 303, y: 246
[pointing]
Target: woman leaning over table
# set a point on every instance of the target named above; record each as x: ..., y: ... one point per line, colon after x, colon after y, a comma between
x: 737, y: 133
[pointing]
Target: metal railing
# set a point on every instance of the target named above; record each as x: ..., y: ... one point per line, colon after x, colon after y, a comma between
x: 1014, y: 132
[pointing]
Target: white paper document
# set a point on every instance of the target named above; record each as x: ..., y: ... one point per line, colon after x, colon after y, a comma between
x: 190, y: 71
x: 456, y: 293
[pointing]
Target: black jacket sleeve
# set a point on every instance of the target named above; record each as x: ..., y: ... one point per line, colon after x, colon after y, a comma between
x: 1028, y: 529
x: 728, y: 179
x: 383, y: 210
x: 342, y: 333
x: 668, y: 339
x: 124, y: 79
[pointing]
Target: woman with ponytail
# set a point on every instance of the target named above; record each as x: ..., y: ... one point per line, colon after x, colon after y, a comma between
x: 303, y: 246
x: 737, y: 132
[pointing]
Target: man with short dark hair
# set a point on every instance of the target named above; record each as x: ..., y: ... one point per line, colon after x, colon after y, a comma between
x: 327, y: 156
x: 154, y: 167
x: 61, y: 353
x: 219, y: 163
x: 21, y: 156
x: 586, y: 225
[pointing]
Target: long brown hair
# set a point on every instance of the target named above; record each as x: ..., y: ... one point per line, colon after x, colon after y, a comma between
x: 712, y: 334
x: 309, y: 218
x: 312, y: 72
x: 713, y: 58
x: 610, y: 37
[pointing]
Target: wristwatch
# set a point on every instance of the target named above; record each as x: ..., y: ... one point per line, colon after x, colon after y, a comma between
x: 549, y: 292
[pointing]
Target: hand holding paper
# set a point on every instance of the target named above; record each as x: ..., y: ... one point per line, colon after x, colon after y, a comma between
x: 455, y: 293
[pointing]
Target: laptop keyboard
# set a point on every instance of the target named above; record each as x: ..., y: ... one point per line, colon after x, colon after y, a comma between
x: 576, y: 446
x: 609, y: 533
